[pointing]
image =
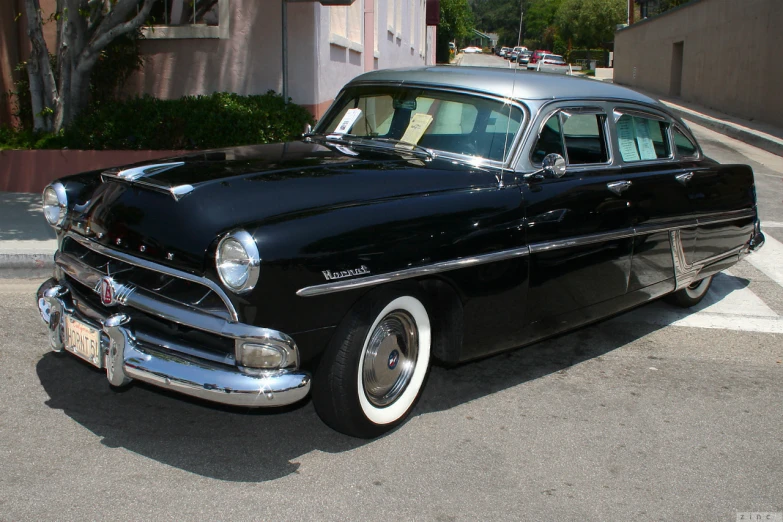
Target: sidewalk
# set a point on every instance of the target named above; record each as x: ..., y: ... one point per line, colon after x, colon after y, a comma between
x: 761, y: 135
x: 27, y: 243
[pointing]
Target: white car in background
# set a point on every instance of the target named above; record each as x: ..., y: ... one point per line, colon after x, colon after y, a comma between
x: 472, y: 49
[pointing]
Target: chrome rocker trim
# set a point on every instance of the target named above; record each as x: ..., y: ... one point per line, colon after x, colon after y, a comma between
x: 128, y: 356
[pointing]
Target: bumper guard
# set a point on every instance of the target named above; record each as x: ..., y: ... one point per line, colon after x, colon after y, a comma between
x: 126, y: 357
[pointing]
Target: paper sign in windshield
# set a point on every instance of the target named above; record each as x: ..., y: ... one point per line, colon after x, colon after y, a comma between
x: 347, y: 122
x: 625, y: 137
x: 416, y: 128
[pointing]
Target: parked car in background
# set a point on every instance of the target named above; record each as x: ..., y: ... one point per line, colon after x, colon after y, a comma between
x: 524, y: 57
x: 434, y: 214
x: 553, y: 59
x: 537, y: 54
x: 515, y: 53
x: 505, y: 51
x: 472, y: 49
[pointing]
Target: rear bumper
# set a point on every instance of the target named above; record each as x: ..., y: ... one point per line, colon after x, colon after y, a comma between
x: 127, y: 356
x: 757, y: 241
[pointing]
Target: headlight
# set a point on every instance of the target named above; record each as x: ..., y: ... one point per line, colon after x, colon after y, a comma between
x: 55, y: 204
x: 237, y: 260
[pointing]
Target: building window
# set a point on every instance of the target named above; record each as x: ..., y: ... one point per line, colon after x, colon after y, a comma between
x: 346, y: 27
x: 189, y: 19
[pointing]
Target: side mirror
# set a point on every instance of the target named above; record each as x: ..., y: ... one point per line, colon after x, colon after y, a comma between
x: 554, y: 165
x: 307, y: 129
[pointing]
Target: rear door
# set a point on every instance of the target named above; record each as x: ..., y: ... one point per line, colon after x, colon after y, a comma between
x: 657, y: 195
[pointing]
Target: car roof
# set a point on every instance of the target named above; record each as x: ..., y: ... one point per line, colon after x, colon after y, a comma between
x: 507, y: 83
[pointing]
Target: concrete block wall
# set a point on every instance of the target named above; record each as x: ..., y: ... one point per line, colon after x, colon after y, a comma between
x: 730, y: 56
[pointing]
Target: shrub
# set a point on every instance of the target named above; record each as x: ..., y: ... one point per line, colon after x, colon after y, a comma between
x: 192, y: 122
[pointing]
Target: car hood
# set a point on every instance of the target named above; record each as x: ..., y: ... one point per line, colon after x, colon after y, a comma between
x: 247, y: 187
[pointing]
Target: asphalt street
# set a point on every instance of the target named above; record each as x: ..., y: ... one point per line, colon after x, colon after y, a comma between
x: 659, y: 414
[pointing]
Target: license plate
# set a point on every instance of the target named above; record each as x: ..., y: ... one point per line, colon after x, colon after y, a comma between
x: 83, y: 340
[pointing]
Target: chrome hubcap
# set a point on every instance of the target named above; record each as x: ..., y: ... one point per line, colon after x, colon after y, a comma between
x: 390, y: 358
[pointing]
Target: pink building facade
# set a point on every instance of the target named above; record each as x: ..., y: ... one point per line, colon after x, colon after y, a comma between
x: 238, y: 47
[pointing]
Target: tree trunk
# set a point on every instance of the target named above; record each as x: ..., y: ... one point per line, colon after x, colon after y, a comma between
x: 43, y: 90
x: 84, y: 29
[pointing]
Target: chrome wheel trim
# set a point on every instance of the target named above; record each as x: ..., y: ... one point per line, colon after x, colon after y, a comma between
x: 397, y: 409
x: 390, y: 358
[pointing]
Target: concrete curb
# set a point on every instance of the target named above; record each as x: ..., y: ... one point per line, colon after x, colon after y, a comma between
x: 22, y: 266
x: 756, y: 138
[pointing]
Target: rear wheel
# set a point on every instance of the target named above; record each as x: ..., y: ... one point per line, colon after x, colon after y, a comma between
x: 373, y: 372
x: 692, y: 294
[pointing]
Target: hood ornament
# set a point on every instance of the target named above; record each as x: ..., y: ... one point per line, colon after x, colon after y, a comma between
x: 134, y: 173
x: 139, y: 173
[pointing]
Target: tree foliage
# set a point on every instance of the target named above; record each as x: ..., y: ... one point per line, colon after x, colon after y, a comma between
x: 456, y: 22
x: 590, y: 23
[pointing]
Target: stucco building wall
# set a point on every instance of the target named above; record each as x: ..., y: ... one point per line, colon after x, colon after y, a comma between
x: 323, y: 54
x: 730, y: 56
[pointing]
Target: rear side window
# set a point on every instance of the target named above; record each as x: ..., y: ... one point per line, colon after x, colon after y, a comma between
x: 684, y: 146
x: 642, y: 139
x: 579, y: 138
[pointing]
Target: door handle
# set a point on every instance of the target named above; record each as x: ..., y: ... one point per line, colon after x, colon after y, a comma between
x: 684, y: 178
x: 618, y: 187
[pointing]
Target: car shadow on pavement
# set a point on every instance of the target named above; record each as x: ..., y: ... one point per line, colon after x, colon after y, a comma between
x: 243, y: 445
x: 22, y: 218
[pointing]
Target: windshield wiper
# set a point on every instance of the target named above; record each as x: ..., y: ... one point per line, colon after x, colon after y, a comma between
x: 404, y: 145
x: 352, y: 140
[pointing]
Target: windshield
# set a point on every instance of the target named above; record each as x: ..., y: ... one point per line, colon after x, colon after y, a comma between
x: 435, y: 119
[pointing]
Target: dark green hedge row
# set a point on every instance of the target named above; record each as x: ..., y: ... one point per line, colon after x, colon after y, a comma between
x: 192, y: 122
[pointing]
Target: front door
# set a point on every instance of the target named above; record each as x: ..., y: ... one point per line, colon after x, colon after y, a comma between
x: 579, y: 227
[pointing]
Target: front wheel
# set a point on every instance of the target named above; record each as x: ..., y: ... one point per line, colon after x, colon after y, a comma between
x: 373, y: 372
x: 692, y: 294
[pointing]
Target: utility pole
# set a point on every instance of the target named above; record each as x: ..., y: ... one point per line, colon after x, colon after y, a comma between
x: 630, y: 12
x: 521, y: 16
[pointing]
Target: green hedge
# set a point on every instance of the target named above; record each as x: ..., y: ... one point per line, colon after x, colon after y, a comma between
x: 192, y: 122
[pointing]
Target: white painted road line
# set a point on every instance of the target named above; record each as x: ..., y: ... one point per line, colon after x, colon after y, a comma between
x: 771, y: 224
x: 769, y: 259
x: 729, y: 305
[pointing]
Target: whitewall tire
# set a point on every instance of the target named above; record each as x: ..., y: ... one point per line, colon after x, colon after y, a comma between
x: 375, y: 367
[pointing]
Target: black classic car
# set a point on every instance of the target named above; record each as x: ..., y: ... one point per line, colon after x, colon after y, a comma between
x: 434, y: 214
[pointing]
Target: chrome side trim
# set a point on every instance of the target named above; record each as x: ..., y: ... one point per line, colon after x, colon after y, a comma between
x: 547, y: 246
x: 686, y: 273
x: 723, y: 217
x: 535, y: 248
x: 131, y: 260
x: 409, y: 273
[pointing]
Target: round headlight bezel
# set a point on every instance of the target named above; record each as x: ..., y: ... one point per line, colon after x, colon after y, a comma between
x: 253, y: 263
x: 62, y: 203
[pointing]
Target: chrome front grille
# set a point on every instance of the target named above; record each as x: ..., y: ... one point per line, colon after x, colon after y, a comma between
x: 87, y: 262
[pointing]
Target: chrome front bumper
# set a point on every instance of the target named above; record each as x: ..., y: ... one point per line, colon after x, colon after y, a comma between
x: 127, y: 356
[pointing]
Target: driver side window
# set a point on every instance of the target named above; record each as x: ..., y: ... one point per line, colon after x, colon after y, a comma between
x: 579, y: 138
